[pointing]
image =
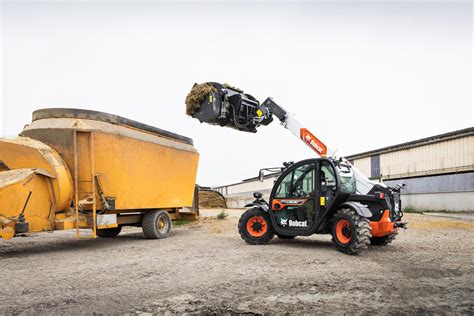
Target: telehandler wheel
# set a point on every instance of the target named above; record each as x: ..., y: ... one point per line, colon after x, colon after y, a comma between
x: 382, y: 241
x: 109, y: 232
x: 255, y: 227
x: 351, y: 232
x: 286, y: 237
x: 156, y: 224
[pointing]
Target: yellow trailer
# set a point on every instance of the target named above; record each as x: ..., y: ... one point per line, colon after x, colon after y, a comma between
x: 78, y: 169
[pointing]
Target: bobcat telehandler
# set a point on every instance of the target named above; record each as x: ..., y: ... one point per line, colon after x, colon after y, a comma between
x: 325, y: 195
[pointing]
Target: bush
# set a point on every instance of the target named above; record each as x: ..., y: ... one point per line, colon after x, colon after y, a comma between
x: 412, y: 210
x: 222, y: 215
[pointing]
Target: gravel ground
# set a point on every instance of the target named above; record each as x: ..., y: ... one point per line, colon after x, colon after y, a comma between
x: 206, y: 267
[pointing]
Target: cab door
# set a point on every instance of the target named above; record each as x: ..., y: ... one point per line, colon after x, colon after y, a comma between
x: 327, y: 187
x: 293, y: 208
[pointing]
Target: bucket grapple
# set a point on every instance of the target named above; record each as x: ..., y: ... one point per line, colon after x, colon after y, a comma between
x: 224, y: 105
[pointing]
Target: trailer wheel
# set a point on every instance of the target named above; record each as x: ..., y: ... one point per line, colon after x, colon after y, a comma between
x: 109, y: 232
x: 351, y: 232
x: 255, y: 227
x: 382, y: 241
x: 156, y: 224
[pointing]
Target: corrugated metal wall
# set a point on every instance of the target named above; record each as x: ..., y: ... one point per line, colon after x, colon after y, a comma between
x: 463, y: 182
x: 444, y: 157
x: 449, y: 192
x: 455, y: 201
x: 438, y: 176
x: 363, y: 165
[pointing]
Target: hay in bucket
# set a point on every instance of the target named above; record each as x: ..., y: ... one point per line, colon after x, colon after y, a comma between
x: 196, y: 96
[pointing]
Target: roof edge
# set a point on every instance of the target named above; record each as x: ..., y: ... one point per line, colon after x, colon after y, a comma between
x: 415, y: 143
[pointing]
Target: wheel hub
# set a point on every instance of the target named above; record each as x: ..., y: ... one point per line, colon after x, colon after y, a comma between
x: 346, y: 231
x: 257, y: 227
x: 343, y: 231
x: 161, y: 224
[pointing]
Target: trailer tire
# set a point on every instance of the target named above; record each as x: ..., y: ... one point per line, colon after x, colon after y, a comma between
x: 351, y: 232
x: 109, y: 232
x: 156, y: 224
x: 382, y: 241
x: 255, y: 227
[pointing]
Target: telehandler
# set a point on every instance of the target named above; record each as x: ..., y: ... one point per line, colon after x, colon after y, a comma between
x: 325, y: 195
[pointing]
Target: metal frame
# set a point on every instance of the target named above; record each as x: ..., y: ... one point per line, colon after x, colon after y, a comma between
x: 91, y: 181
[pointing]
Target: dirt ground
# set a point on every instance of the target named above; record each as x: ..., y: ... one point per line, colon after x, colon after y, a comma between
x: 205, y: 267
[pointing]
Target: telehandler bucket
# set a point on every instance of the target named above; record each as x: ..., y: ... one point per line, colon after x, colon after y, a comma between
x: 224, y: 105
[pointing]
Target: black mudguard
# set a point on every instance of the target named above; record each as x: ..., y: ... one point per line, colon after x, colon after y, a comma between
x: 261, y: 206
x: 361, y: 209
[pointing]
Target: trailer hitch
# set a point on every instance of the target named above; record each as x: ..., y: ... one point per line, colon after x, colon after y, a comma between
x: 401, y: 225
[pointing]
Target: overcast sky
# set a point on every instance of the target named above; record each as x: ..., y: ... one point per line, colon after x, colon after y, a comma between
x: 359, y: 76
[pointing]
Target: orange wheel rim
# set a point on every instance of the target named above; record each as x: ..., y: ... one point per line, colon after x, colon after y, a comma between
x: 257, y: 226
x: 343, y: 231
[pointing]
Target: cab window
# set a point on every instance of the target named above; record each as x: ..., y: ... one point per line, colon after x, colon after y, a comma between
x: 303, y: 181
x: 299, y: 183
x: 283, y: 190
x: 348, y: 180
x: 328, y: 184
x: 328, y: 178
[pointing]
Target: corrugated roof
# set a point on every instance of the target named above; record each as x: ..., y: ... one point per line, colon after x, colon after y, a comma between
x: 416, y: 143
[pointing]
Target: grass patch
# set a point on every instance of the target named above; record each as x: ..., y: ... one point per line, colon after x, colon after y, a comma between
x: 179, y: 223
x: 415, y: 211
x: 411, y: 210
x: 440, y: 211
x: 222, y: 215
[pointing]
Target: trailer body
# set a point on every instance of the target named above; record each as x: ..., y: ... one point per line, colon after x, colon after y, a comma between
x: 88, y: 169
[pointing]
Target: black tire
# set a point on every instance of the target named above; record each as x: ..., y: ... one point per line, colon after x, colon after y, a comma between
x: 262, y: 230
x: 351, y: 232
x: 156, y: 224
x: 382, y: 241
x: 286, y: 237
x: 109, y: 232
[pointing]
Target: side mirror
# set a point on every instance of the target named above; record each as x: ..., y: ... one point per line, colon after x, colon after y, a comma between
x: 257, y: 195
x: 260, y: 176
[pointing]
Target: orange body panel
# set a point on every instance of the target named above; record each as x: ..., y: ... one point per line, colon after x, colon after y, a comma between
x: 313, y: 142
x: 383, y: 227
x: 278, y: 204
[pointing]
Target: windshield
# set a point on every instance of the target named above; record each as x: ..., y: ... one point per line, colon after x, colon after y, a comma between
x: 353, y: 181
x: 364, y: 185
x: 348, y: 181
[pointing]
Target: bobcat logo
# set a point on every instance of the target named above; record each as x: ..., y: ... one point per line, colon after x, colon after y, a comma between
x: 284, y: 222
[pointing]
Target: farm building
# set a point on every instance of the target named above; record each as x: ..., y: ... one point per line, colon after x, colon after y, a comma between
x: 438, y: 172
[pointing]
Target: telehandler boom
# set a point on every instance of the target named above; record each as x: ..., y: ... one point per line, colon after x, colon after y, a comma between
x: 325, y: 195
